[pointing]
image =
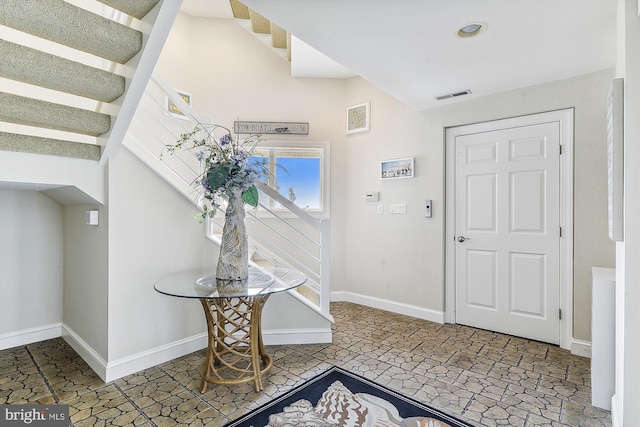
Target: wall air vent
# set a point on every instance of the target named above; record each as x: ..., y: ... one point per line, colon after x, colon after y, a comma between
x: 453, y: 95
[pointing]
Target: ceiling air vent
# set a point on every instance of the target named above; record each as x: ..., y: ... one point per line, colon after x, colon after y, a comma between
x: 453, y: 95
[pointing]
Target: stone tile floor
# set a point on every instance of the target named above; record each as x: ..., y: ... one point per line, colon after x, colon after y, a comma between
x: 485, y: 378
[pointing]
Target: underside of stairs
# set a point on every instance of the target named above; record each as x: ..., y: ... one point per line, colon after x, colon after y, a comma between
x: 275, y: 36
x: 64, y: 72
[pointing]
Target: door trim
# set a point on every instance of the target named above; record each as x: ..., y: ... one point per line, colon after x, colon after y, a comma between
x: 565, y: 118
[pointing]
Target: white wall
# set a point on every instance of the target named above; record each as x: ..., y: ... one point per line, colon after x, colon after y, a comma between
x: 233, y: 76
x: 86, y: 278
x: 152, y: 233
x: 406, y: 263
x: 394, y: 260
x: 86, y: 176
x: 31, y: 267
x: 625, y: 410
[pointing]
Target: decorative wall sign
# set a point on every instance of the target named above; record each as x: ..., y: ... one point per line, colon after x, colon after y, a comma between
x: 172, y: 109
x: 358, y: 118
x: 272, y: 128
x: 398, y: 168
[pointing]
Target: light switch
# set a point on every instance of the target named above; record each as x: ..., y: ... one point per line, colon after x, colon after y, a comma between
x: 398, y: 208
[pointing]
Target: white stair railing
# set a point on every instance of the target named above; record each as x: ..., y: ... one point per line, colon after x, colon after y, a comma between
x: 287, y: 236
x: 143, y: 64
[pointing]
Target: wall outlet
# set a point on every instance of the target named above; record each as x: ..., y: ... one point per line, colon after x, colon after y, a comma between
x: 380, y: 209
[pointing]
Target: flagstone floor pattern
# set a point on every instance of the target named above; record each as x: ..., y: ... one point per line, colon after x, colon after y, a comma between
x: 485, y: 378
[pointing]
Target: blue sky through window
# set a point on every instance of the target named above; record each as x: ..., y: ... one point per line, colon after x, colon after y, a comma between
x: 303, y: 174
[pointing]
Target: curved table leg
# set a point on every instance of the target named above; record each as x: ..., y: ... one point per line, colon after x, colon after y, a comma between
x: 235, y: 350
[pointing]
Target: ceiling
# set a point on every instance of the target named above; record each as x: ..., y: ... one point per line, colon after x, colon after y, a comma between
x: 410, y: 48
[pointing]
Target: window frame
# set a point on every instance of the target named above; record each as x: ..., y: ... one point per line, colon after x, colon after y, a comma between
x: 324, y: 149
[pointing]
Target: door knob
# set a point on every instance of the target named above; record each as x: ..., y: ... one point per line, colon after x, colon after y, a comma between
x: 462, y: 239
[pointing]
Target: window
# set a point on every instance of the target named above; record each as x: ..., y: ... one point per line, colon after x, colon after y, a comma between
x: 297, y: 173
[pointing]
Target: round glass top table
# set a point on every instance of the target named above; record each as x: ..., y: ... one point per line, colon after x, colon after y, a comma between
x: 233, y: 311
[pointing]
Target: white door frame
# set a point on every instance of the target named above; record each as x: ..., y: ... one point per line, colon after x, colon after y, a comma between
x: 565, y: 118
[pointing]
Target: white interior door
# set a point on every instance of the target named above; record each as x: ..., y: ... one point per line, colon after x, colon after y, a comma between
x: 507, y: 231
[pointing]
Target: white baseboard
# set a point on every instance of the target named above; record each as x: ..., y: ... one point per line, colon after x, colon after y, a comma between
x: 86, y: 352
x: 30, y: 335
x: 616, y: 418
x: 392, y: 306
x: 297, y: 336
x: 155, y: 356
x: 110, y: 371
x: 578, y: 347
x: 581, y: 348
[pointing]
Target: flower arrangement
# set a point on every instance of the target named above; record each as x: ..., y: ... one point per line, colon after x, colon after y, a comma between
x: 225, y: 165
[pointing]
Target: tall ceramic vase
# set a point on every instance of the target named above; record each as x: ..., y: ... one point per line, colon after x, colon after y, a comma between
x: 233, y: 263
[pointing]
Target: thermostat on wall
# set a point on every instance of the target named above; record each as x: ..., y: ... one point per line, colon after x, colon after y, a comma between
x: 372, y: 196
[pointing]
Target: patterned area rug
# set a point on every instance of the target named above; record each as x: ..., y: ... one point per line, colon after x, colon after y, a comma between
x: 340, y: 398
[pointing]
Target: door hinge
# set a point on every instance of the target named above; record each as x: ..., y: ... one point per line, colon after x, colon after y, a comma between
x: 560, y: 313
x: 561, y: 150
x: 560, y: 231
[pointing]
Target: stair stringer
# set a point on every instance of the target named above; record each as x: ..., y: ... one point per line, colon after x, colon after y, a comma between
x: 161, y: 19
x: 65, y: 179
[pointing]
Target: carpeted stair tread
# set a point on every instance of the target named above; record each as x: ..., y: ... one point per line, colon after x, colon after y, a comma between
x: 137, y: 9
x: 48, y: 146
x: 43, y: 69
x: 32, y: 112
x: 63, y: 23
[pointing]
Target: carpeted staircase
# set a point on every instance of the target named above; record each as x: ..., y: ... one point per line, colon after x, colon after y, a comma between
x: 64, y: 71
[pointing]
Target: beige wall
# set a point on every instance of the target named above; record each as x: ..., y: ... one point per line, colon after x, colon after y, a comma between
x: 85, y: 277
x: 406, y: 264
x: 396, y: 258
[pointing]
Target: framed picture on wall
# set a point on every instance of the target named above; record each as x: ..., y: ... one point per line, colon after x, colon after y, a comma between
x: 397, y: 168
x: 171, y: 109
x: 358, y: 118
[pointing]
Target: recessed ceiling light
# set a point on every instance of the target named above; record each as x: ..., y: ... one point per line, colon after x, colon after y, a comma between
x: 472, y: 29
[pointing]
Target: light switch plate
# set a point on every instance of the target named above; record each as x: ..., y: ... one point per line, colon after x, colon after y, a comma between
x: 398, y: 208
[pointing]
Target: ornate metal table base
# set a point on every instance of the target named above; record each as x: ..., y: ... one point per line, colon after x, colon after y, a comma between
x: 235, y: 351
